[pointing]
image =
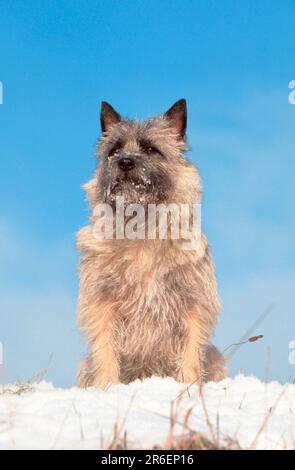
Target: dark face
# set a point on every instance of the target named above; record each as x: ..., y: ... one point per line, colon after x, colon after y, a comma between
x: 135, y: 170
x: 137, y: 159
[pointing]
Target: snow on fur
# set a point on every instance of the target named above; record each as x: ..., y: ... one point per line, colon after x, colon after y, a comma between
x: 256, y: 414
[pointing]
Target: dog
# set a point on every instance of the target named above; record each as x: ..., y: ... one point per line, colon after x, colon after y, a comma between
x: 147, y: 306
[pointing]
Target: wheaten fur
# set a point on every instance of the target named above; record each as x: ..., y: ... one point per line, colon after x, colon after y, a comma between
x: 147, y: 307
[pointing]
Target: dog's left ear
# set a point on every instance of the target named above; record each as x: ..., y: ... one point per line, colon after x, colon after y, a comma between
x: 108, y: 116
x: 177, y: 116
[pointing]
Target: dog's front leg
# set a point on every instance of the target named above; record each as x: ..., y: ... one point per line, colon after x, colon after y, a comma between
x: 101, y: 367
x: 191, y: 369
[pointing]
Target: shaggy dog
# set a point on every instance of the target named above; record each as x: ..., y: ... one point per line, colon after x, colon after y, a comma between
x: 147, y: 306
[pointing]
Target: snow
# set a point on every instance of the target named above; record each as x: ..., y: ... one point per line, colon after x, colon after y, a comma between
x: 258, y: 415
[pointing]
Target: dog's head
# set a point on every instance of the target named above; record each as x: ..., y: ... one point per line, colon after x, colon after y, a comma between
x: 144, y: 162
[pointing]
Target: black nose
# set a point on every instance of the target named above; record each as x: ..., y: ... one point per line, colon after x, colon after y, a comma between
x: 126, y: 163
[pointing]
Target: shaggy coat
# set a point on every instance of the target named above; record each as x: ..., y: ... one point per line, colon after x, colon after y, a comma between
x: 147, y: 307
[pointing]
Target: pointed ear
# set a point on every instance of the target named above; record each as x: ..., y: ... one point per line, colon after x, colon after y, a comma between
x: 177, y: 116
x: 108, y: 116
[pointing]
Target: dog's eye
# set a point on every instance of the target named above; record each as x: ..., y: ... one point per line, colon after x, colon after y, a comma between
x: 115, y: 149
x: 149, y: 149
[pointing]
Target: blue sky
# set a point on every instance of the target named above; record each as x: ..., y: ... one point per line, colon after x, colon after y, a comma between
x: 232, y: 61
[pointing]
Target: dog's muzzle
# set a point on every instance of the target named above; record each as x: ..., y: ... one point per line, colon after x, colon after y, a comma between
x: 126, y: 163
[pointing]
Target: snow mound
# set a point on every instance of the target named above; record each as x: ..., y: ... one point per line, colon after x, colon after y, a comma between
x: 256, y: 414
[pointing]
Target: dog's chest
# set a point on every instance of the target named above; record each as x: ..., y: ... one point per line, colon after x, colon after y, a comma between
x: 150, y: 303
x: 151, y: 318
x: 145, y: 281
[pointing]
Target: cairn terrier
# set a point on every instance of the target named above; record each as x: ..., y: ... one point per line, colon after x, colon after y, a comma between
x: 147, y: 306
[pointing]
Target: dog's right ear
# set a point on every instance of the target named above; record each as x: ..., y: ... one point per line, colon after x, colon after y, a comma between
x: 108, y: 116
x: 177, y: 117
